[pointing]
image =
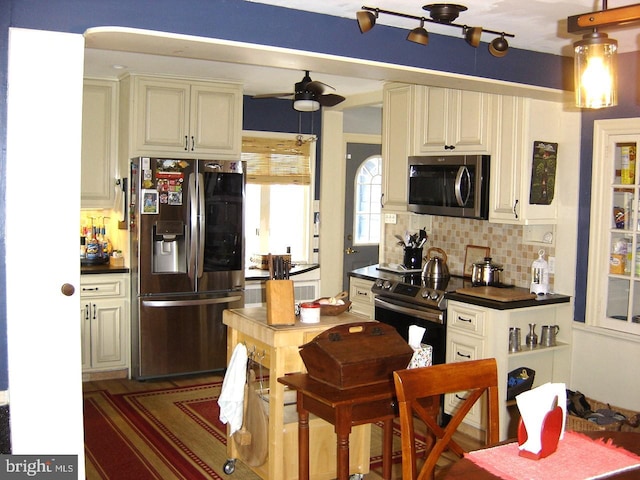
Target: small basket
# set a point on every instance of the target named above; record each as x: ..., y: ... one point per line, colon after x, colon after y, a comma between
x: 512, y: 392
x: 579, y: 424
x: 333, y: 310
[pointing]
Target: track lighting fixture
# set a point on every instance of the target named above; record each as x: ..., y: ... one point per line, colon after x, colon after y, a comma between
x: 595, y: 63
x: 442, y: 14
x: 419, y: 34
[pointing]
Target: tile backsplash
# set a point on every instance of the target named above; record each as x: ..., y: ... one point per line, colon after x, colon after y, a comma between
x: 453, y: 235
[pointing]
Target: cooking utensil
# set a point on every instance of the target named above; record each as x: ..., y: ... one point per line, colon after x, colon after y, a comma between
x: 486, y: 273
x: 436, y: 266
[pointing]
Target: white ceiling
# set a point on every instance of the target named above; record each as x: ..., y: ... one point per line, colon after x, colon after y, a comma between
x: 538, y: 25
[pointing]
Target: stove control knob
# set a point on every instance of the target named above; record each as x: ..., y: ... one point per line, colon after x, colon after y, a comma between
x: 379, y: 283
x: 426, y: 294
x: 386, y: 285
x: 434, y: 295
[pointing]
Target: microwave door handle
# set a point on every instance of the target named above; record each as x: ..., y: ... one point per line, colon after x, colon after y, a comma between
x: 201, y: 224
x: 193, y: 227
x: 462, y: 171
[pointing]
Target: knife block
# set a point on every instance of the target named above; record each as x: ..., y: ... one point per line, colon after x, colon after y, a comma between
x: 280, y: 302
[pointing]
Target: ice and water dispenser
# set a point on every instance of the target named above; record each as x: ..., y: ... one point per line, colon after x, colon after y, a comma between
x: 169, y: 247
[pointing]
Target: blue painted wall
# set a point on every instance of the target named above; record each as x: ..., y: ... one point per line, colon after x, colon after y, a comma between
x: 262, y: 24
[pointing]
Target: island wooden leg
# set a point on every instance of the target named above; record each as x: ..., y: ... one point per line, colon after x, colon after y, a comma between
x: 303, y: 442
x: 387, y: 448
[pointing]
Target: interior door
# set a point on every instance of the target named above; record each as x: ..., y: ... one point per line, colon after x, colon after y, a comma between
x: 44, y: 125
x: 356, y: 256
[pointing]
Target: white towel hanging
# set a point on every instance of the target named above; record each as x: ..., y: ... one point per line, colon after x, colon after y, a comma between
x: 232, y: 394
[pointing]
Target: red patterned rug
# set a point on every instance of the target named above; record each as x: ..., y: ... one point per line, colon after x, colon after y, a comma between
x: 169, y: 434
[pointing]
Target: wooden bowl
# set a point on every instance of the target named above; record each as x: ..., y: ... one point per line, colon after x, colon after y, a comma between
x: 333, y: 310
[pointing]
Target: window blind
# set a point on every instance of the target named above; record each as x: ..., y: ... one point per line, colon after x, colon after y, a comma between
x: 277, y: 161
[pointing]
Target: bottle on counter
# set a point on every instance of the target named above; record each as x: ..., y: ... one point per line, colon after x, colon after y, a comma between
x: 83, y: 246
x: 93, y: 247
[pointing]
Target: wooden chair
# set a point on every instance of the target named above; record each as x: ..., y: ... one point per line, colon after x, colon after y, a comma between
x: 413, y: 386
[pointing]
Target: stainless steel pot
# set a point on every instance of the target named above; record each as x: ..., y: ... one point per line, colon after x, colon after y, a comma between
x: 486, y: 273
x: 436, y: 266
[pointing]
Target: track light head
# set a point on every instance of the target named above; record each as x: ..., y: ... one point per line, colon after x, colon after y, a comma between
x: 366, y: 20
x: 499, y: 46
x: 472, y: 35
x: 419, y: 34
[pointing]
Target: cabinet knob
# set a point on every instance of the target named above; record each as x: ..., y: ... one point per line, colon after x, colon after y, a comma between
x: 67, y: 289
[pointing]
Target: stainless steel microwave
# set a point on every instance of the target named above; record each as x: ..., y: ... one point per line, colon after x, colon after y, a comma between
x: 449, y: 185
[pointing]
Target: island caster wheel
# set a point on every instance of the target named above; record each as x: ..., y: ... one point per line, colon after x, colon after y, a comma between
x: 229, y: 466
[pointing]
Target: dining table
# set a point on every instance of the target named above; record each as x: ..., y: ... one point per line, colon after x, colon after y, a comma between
x: 466, y: 468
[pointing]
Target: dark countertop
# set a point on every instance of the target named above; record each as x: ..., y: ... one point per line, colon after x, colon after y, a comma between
x: 372, y: 273
x: 262, y: 275
x: 108, y: 268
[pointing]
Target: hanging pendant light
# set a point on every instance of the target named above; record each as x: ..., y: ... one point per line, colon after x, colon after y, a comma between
x: 595, y: 70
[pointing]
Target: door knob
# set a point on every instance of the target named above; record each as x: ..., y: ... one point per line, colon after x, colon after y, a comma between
x: 350, y: 250
x: 67, y: 289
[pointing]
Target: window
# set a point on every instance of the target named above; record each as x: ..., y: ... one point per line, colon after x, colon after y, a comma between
x: 368, y: 190
x: 279, y: 193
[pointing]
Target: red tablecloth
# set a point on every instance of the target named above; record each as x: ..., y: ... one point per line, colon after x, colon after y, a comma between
x: 577, y: 458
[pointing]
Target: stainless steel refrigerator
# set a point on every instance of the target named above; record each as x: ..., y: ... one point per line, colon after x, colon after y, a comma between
x: 187, y: 242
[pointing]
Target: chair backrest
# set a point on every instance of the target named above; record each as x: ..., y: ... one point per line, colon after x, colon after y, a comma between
x: 414, y: 385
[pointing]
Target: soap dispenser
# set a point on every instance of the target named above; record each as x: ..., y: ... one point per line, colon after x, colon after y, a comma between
x: 540, y: 275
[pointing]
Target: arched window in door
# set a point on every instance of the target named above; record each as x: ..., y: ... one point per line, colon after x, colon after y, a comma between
x: 368, y: 190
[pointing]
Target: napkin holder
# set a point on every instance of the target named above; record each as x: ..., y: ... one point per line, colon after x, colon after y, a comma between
x: 549, y: 434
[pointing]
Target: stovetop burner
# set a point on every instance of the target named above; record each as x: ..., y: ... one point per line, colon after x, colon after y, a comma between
x: 414, y: 289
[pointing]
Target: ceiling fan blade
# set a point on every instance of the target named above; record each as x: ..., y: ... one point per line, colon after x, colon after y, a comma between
x: 330, y: 99
x: 274, y: 95
x: 317, y: 87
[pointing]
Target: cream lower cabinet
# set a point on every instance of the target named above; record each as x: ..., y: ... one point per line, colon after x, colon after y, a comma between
x: 182, y: 117
x: 104, y: 317
x: 475, y: 332
x: 361, y: 297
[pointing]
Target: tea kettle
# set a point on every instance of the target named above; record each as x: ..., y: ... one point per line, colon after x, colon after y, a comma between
x: 436, y: 266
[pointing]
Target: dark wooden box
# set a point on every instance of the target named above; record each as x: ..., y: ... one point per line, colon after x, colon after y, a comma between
x: 356, y: 354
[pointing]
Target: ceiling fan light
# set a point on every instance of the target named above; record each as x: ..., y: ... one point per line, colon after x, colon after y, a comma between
x: 306, y: 105
x: 595, y: 71
x: 499, y: 46
x: 366, y: 20
x: 472, y: 35
x: 419, y: 34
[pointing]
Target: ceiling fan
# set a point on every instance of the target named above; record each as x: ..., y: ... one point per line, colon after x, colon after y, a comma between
x: 308, y: 95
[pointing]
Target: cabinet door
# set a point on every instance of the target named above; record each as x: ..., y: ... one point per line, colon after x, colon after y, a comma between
x: 216, y: 120
x: 398, y: 103
x: 99, y: 148
x: 506, y: 169
x: 613, y: 290
x: 455, y: 121
x: 162, y: 116
x: 361, y: 297
x: 85, y: 333
x: 107, y: 333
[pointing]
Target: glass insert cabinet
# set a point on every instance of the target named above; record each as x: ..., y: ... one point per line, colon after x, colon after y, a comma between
x: 613, y: 285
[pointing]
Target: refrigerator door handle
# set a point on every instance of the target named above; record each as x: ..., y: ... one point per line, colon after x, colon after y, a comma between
x: 193, y: 221
x: 202, y: 225
x: 192, y: 302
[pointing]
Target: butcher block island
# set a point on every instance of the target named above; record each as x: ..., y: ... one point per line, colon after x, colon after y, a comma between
x: 277, y: 349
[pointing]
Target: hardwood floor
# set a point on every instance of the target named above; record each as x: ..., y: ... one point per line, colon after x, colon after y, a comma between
x: 124, y: 385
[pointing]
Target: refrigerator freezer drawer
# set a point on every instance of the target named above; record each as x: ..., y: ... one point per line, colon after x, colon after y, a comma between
x: 182, y: 336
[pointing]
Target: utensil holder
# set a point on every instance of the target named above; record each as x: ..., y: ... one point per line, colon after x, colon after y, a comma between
x: 412, y: 258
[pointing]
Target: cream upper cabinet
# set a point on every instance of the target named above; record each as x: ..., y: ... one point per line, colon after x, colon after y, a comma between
x: 453, y: 121
x: 526, y: 126
x: 99, y: 143
x: 185, y: 118
x: 398, y: 105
